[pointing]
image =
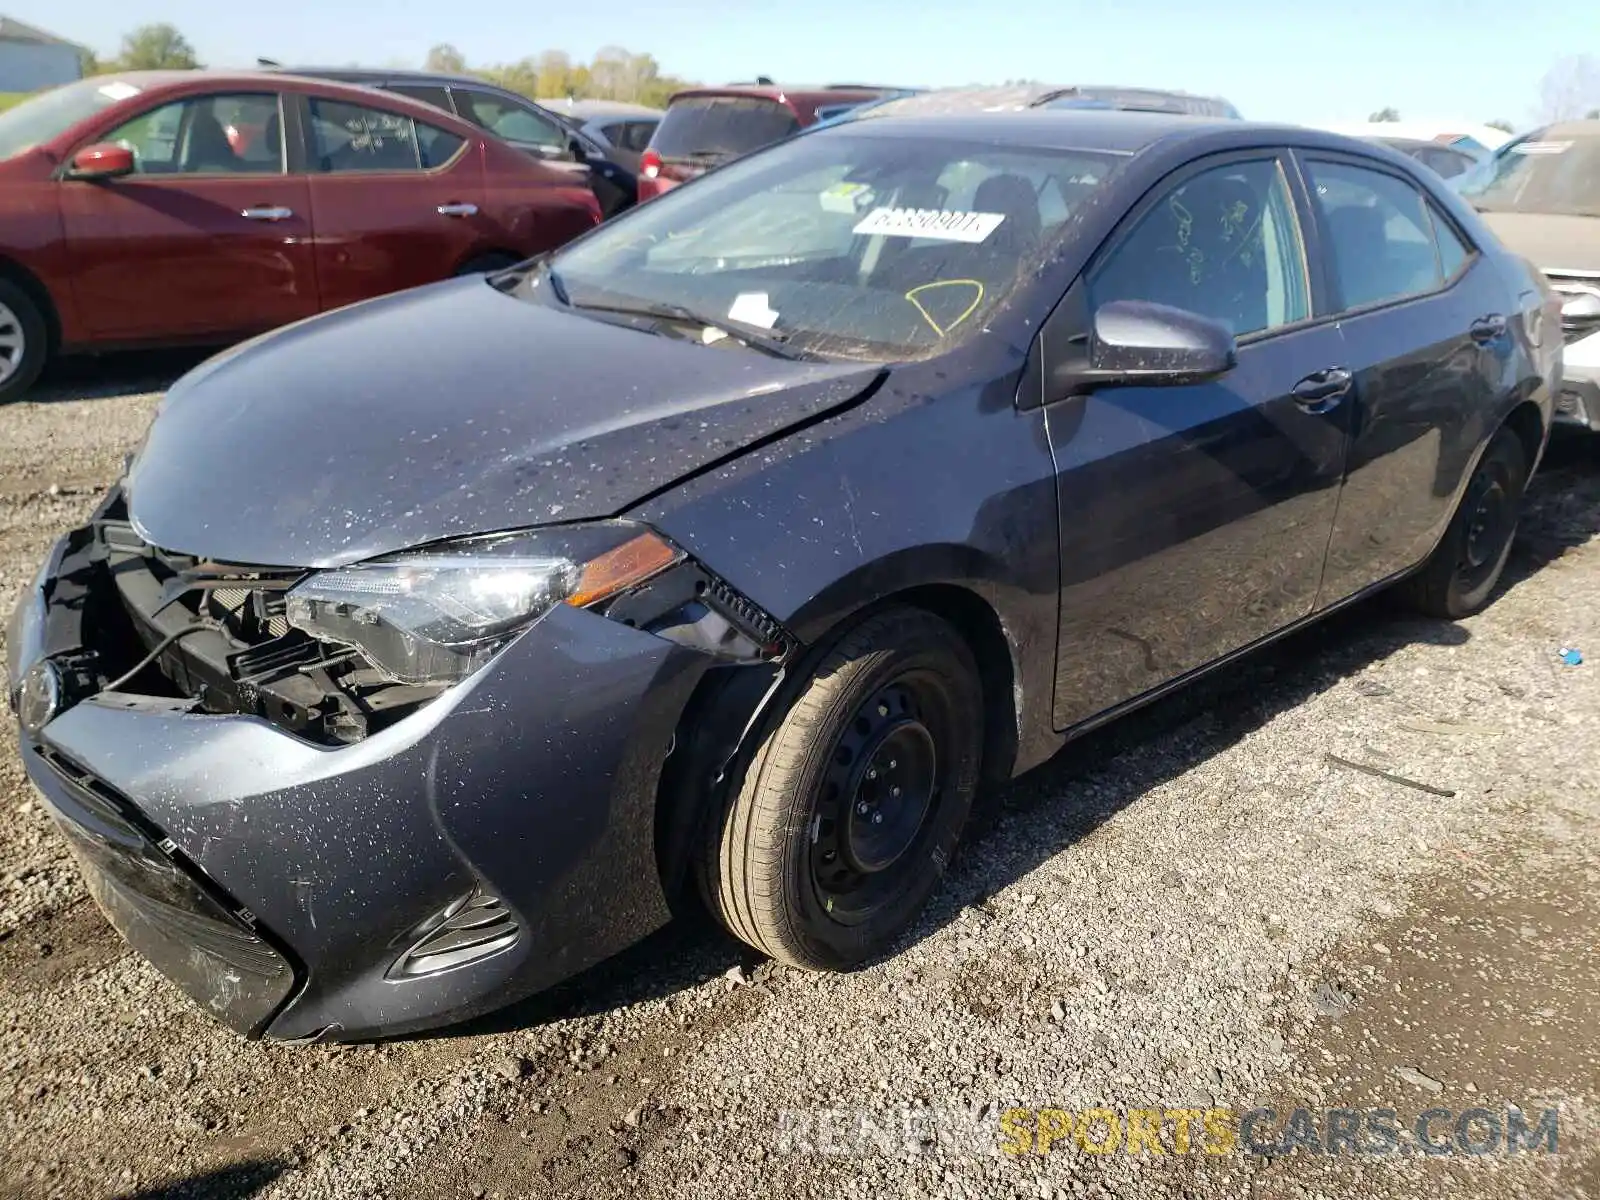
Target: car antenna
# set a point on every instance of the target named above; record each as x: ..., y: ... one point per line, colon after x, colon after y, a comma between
x: 268, y: 62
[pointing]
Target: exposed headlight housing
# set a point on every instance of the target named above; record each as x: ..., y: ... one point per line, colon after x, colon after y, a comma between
x: 434, y: 616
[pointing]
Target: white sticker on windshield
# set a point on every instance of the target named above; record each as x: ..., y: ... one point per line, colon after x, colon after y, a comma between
x: 118, y: 90
x: 847, y: 198
x: 750, y: 308
x: 930, y: 223
x: 1541, y: 147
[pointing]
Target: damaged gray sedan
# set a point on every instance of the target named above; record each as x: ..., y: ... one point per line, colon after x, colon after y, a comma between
x: 429, y: 650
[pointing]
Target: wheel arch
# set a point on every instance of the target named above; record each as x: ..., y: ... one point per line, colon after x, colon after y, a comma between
x: 1526, y: 420
x: 15, y: 272
x: 731, y: 708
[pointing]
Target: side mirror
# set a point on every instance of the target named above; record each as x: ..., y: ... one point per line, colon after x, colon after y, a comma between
x: 103, y: 160
x: 1138, y: 343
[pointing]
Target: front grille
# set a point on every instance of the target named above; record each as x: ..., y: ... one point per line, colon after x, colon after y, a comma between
x: 473, y: 928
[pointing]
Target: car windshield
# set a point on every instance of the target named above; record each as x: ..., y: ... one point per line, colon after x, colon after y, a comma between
x: 721, y: 126
x: 50, y: 114
x: 840, y: 244
x: 1540, y: 174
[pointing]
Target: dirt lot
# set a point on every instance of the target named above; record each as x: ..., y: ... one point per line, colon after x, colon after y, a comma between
x: 1194, y: 909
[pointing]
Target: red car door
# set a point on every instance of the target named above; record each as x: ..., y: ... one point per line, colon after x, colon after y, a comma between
x: 203, y: 239
x: 395, y: 202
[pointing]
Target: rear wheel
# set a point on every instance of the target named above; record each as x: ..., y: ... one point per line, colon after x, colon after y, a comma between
x: 852, y: 804
x: 1460, y: 575
x: 24, y: 341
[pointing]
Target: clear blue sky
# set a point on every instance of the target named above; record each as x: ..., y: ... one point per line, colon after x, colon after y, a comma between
x: 1294, y: 60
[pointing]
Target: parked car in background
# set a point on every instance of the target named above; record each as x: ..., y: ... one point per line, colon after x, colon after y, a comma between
x: 706, y: 127
x: 1467, y: 136
x: 623, y: 129
x: 767, y: 522
x: 1448, y: 161
x: 1541, y: 194
x: 1138, y: 99
x: 1016, y: 97
x: 548, y: 136
x: 203, y: 206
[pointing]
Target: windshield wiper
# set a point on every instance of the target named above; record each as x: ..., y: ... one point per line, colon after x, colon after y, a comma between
x: 766, y: 343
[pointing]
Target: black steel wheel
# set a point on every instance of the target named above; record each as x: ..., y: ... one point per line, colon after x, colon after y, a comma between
x: 1460, y: 576
x: 853, y: 803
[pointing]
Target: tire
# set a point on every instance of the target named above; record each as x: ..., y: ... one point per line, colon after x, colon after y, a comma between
x: 24, y: 341
x: 890, y: 725
x: 1460, y: 575
x: 484, y: 264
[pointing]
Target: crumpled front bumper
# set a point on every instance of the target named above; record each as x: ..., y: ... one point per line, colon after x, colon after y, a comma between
x: 282, y: 883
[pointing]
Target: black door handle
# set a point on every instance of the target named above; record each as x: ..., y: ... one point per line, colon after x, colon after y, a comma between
x: 1321, y: 391
x: 1488, y: 329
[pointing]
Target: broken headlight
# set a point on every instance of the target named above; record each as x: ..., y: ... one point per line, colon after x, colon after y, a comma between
x: 434, y: 616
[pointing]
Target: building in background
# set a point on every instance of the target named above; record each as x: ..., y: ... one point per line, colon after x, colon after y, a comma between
x: 31, y: 59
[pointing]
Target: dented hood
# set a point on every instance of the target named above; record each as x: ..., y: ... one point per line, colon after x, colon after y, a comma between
x: 450, y: 410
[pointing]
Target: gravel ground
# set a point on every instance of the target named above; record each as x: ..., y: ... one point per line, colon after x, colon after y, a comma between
x: 1193, y: 909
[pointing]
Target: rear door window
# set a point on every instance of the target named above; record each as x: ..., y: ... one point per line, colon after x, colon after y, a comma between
x: 436, y: 96
x: 721, y: 126
x: 634, y: 135
x: 1379, y: 230
x: 506, y: 118
x: 353, y: 137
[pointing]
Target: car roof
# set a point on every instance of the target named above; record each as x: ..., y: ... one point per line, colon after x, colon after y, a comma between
x: 599, y: 108
x: 1017, y: 96
x: 1058, y: 128
x: 362, y: 75
x: 1105, y: 131
x: 762, y: 91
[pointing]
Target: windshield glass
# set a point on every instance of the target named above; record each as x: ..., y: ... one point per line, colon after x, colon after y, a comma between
x: 865, y: 247
x: 1539, y: 174
x: 50, y: 114
x: 720, y: 126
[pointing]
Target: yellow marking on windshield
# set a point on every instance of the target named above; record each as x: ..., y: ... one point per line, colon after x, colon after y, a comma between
x: 977, y: 299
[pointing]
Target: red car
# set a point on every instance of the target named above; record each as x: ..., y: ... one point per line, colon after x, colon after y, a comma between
x: 198, y: 206
x: 704, y: 127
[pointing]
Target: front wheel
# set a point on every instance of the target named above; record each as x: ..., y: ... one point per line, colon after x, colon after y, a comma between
x: 1458, y: 578
x: 852, y: 804
x: 24, y: 341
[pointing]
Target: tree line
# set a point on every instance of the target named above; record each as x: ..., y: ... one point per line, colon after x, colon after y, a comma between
x: 613, y: 74
x: 1570, y: 89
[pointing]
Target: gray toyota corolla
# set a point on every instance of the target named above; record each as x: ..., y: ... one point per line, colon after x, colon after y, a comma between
x: 428, y: 650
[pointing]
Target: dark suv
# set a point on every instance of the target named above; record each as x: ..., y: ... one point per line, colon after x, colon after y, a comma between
x: 513, y: 118
x: 705, y: 127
